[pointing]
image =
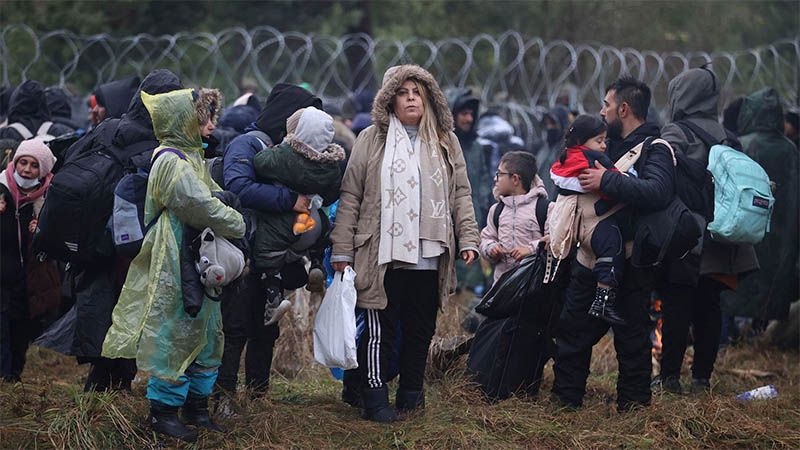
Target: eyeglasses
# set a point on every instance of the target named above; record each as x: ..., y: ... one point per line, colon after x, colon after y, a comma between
x: 498, y: 173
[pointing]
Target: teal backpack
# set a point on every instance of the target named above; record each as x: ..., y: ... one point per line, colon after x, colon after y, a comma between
x: 743, y: 198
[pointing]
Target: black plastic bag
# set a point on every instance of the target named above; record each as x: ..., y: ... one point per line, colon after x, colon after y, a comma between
x: 506, y: 295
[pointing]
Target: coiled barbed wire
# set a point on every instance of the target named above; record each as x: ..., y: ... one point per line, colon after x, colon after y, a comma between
x: 521, y: 76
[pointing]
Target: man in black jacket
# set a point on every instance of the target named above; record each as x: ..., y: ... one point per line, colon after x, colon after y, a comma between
x: 96, y: 288
x: 625, y: 111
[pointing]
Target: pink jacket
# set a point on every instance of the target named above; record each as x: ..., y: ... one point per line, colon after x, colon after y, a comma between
x: 518, y: 227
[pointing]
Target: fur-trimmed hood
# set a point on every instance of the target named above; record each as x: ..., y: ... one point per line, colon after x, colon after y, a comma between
x: 209, y: 104
x: 333, y: 153
x: 393, y: 78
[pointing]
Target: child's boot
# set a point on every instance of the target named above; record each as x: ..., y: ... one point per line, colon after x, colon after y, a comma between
x: 605, y: 307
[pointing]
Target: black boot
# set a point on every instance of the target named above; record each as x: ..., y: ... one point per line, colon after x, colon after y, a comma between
x: 376, y: 405
x: 164, y: 420
x: 351, y: 389
x: 408, y: 401
x: 669, y: 383
x: 195, y: 412
x: 604, y: 306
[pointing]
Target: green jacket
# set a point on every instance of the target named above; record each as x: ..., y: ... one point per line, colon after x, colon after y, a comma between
x: 301, y: 169
x: 149, y: 322
x: 768, y: 293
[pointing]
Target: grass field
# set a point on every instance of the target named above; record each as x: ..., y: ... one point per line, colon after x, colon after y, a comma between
x: 49, y: 410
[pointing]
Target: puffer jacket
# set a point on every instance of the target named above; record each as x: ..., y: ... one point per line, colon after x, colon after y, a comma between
x: 518, y: 227
x: 356, y: 236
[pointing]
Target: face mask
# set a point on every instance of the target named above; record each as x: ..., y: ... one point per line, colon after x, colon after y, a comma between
x: 25, y: 183
x: 205, y: 145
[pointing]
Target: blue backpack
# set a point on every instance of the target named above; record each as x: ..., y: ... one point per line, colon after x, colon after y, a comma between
x: 743, y: 198
x: 127, y: 220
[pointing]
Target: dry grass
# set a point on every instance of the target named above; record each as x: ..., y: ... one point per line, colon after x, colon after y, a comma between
x: 303, y: 410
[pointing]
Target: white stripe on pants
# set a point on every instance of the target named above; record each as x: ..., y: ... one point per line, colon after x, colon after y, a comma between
x: 374, y: 349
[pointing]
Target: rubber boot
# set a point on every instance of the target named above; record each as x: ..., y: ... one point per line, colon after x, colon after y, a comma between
x: 195, y: 412
x: 164, y: 420
x: 376, y: 405
x: 604, y: 306
x: 408, y: 401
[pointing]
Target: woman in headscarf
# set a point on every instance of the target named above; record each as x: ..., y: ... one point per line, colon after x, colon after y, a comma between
x: 405, y: 214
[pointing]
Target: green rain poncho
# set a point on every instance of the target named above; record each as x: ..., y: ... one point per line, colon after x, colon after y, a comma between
x: 149, y: 322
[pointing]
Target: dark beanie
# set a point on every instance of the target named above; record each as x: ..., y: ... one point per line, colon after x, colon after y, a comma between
x: 282, y: 102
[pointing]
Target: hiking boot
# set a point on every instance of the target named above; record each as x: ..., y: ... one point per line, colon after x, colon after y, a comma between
x: 604, y: 306
x: 316, y: 276
x: 195, y: 412
x: 163, y: 419
x: 700, y: 385
x: 376, y: 405
x: 670, y: 383
x: 408, y: 401
x: 276, y: 306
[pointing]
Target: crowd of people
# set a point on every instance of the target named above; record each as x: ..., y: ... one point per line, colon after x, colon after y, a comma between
x: 417, y: 189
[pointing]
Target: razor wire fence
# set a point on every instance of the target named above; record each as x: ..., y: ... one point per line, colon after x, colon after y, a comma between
x: 518, y: 75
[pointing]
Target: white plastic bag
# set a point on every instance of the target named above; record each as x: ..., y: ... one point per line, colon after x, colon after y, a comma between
x: 335, y: 325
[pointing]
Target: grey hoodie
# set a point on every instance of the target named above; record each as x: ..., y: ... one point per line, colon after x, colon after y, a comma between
x: 693, y: 95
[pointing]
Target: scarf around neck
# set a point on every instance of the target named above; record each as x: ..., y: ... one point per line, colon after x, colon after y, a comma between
x: 20, y: 198
x: 414, y: 209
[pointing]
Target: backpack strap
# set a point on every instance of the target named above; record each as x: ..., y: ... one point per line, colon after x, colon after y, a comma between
x: 22, y: 130
x: 690, y: 128
x: 541, y: 211
x: 632, y: 156
x: 498, y: 209
x: 669, y: 147
x: 262, y: 137
x: 626, y: 161
x: 44, y: 128
x: 174, y: 151
x: 159, y: 153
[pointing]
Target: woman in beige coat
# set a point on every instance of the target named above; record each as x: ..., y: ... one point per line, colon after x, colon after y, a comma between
x: 404, y: 208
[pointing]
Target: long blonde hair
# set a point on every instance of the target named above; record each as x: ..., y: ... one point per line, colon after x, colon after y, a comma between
x: 428, y: 129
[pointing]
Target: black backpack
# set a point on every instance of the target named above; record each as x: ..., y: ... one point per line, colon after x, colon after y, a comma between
x: 670, y: 233
x: 541, y: 212
x: 73, y: 222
